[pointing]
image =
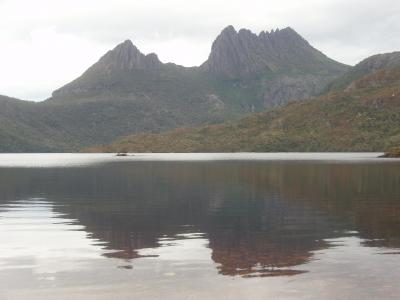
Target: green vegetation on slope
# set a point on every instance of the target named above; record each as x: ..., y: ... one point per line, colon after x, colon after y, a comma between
x: 364, y: 117
x: 392, y: 153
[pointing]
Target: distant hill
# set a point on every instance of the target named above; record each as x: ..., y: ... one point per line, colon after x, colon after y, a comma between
x: 128, y: 92
x: 365, y: 116
x: 365, y: 67
x: 30, y: 127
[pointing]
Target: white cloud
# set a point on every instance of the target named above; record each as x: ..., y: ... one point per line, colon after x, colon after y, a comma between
x: 46, y: 43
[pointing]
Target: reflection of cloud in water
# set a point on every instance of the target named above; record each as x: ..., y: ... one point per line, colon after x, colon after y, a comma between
x: 182, y: 247
x: 35, y: 237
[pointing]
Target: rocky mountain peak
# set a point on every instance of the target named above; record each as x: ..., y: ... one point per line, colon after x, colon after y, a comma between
x: 228, y: 31
x: 126, y: 56
x: 125, y: 45
x: 236, y: 54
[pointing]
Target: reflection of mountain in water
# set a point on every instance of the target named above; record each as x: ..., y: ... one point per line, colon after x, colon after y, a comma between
x: 261, y: 219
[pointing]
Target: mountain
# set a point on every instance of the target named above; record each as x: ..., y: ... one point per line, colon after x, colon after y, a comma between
x: 267, y: 70
x: 365, y: 116
x: 241, y: 54
x: 129, y: 92
x: 279, y: 65
x: 104, y: 75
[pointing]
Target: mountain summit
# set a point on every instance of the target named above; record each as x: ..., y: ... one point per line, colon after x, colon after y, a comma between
x: 126, y: 57
x: 237, y: 54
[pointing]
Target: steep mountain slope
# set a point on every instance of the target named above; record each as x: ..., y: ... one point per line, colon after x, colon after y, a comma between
x: 239, y: 54
x: 364, y: 117
x: 128, y: 92
x: 280, y: 65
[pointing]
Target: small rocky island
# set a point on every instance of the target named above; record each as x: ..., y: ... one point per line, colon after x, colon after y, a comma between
x: 122, y: 154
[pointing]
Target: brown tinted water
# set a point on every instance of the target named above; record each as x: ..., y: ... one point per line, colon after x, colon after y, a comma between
x: 288, y: 226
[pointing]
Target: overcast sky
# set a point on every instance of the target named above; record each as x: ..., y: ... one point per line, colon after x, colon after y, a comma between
x: 47, y: 43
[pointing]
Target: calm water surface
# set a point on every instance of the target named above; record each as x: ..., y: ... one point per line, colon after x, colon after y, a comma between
x: 199, y: 226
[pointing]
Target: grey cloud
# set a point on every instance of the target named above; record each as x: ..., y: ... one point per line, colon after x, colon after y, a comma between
x: 368, y: 25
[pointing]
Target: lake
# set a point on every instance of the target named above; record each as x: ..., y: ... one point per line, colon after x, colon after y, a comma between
x: 199, y: 226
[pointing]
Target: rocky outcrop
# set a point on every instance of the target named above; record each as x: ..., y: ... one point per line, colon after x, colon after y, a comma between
x: 126, y: 57
x: 286, y: 88
x: 280, y: 65
x: 243, y: 53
